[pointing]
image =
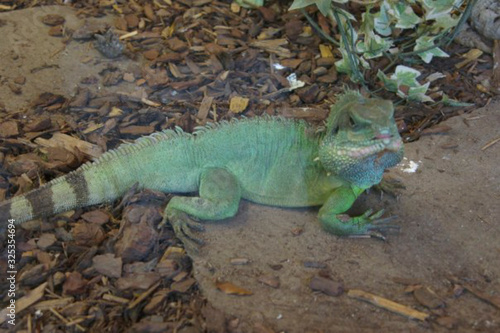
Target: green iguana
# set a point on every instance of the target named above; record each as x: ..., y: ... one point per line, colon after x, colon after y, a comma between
x: 268, y: 160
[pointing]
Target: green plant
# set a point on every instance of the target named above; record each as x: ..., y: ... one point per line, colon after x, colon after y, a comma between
x: 400, y: 30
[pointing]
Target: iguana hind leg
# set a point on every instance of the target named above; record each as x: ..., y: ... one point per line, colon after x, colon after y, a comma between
x: 219, y: 198
x: 333, y: 218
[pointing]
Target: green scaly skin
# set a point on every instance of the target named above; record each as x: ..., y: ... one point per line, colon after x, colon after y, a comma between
x: 271, y: 161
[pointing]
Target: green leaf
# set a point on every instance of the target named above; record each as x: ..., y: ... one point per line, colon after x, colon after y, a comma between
x: 250, y: 3
x: 373, y: 47
x: 426, y: 43
x: 382, y: 22
x: 343, y: 65
x: 404, y: 15
x: 404, y: 83
x: 436, y: 9
x: 324, y: 6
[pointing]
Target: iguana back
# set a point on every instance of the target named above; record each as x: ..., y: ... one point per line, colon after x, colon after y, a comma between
x: 255, y: 150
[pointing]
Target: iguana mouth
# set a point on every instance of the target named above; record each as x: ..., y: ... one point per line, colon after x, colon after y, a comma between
x: 382, y: 145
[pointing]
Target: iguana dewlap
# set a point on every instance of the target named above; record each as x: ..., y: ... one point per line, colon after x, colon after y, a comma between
x: 271, y: 161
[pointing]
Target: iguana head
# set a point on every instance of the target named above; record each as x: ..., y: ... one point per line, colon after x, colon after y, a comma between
x: 361, y: 139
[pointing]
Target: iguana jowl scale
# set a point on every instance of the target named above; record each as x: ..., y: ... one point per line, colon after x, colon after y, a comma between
x: 271, y: 161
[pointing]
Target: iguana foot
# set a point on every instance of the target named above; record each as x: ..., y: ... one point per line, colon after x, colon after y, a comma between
x: 183, y: 227
x: 389, y: 186
x: 377, y: 228
x: 365, y: 226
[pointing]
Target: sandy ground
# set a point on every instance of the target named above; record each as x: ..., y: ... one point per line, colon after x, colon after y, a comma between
x: 27, y: 50
x: 448, y: 215
x: 449, y: 227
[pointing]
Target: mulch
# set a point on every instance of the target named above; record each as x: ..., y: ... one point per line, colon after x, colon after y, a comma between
x: 197, y: 61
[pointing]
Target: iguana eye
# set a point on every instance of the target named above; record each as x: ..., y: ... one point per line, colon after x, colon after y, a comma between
x: 355, y: 126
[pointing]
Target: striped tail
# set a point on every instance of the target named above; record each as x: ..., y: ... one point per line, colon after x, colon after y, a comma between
x: 59, y: 195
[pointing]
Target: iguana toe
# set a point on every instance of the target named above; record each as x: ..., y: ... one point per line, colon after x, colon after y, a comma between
x: 183, y: 226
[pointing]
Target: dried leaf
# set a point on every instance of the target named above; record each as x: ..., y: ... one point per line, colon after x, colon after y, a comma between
x: 231, y: 289
x: 238, y: 104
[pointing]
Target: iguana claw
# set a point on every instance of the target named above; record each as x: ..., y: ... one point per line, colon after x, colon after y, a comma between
x: 378, y: 225
x: 183, y: 226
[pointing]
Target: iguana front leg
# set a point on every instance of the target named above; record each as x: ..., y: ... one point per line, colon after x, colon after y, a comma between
x: 334, y: 220
x: 219, y: 198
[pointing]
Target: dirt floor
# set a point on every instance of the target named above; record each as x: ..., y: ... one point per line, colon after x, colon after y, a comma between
x: 448, y: 217
x: 443, y: 262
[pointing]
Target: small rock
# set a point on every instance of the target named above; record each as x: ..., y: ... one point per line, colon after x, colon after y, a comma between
x: 109, y: 44
x: 14, y: 88
x: 21, y: 80
x: 327, y: 286
x: 53, y: 19
x: 428, y: 298
x: 448, y: 322
x: 270, y: 280
x: 129, y: 77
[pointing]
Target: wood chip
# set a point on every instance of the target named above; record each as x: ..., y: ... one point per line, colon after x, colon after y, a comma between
x: 387, y: 304
x: 30, y: 298
x: 108, y: 265
x: 9, y: 128
x: 72, y: 144
x: 204, y: 108
x: 54, y: 303
x: 273, y: 46
x: 469, y: 57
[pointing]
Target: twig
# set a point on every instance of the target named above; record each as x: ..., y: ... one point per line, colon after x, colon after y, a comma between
x: 491, y: 143
x: 387, y: 304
